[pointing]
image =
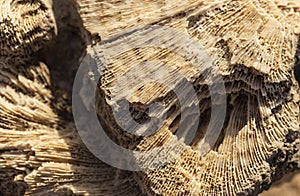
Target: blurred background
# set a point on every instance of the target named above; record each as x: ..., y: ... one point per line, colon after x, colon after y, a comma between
x: 287, y: 186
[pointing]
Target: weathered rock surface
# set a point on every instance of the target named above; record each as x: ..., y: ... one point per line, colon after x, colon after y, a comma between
x: 251, y: 44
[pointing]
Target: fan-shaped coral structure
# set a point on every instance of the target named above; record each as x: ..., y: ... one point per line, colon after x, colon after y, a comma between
x: 203, y: 93
x: 25, y: 27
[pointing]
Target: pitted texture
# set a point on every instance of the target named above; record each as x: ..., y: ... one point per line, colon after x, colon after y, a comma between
x: 40, y: 150
x: 25, y: 27
x: 254, y: 50
x: 252, y: 44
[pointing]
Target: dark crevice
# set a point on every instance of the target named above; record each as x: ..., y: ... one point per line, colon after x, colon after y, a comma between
x: 63, y: 54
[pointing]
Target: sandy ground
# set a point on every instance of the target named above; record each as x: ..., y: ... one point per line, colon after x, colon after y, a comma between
x: 289, y: 186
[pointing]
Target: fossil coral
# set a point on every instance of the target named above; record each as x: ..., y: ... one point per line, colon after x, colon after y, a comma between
x: 25, y: 27
x: 248, y: 47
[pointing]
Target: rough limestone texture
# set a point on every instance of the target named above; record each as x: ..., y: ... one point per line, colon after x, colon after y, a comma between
x: 252, y: 44
x: 25, y: 28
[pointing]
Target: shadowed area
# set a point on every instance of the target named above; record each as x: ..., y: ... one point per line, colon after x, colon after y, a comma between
x: 41, y: 152
x: 45, y: 155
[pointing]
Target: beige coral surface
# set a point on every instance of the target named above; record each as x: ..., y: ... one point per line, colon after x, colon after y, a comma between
x: 251, y: 43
